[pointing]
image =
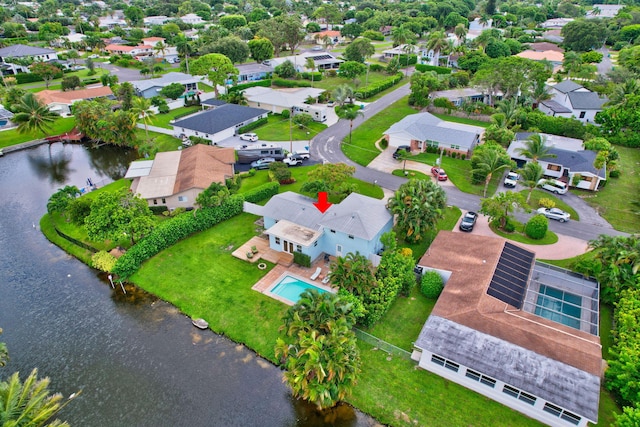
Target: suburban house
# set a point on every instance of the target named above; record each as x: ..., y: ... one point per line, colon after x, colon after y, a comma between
x: 569, y: 99
x: 192, y: 19
x: 571, y: 160
x: 293, y: 100
x: 423, y: 130
x: 120, y: 49
x: 294, y: 224
x: 465, y: 94
x: 333, y: 35
x: 217, y: 123
x: 552, y: 55
x: 23, y: 51
x: 175, y: 178
x: 515, y: 330
x: 322, y: 60
x: 252, y: 72
x: 60, y: 102
x: 150, y: 21
x: 151, y: 87
x: 545, y: 46
x: 604, y: 11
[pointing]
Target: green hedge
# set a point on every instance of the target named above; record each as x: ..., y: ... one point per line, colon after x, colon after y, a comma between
x: 376, y: 88
x: 290, y: 83
x: 439, y: 70
x: 536, y: 227
x: 431, y: 285
x: 572, y: 128
x: 253, y: 125
x: 402, y: 59
x: 317, y: 76
x: 302, y: 259
x: 170, y: 232
x: 32, y: 78
x: 265, y: 191
x: 243, y: 86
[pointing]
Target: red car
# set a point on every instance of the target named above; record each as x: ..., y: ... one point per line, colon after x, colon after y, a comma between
x: 439, y: 173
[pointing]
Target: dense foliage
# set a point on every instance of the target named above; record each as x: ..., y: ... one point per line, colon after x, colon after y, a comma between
x: 536, y: 227
x: 431, y: 284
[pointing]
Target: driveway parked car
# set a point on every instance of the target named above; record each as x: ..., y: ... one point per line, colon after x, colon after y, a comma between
x: 249, y: 137
x: 401, y: 149
x: 262, y: 163
x: 293, y: 160
x: 304, y: 154
x: 468, y: 221
x: 555, y: 213
x: 439, y: 173
x: 511, y: 179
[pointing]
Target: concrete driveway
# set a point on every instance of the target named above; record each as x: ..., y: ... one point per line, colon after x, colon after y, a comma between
x: 386, y: 163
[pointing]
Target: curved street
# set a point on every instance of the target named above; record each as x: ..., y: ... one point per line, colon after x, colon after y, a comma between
x: 327, y: 146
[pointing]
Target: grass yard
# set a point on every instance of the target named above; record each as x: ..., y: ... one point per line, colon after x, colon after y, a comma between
x: 463, y: 120
x: 451, y: 216
x: 362, y: 149
x: 12, y: 137
x: 162, y: 141
x: 205, y: 87
x: 619, y: 201
x: 519, y: 236
x: 162, y: 120
x: 280, y: 129
x: 538, y: 194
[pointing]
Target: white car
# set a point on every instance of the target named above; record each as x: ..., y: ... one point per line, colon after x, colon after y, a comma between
x: 249, y: 137
x: 304, y: 154
x: 94, y: 56
x: 511, y: 179
x: 292, y: 160
x: 555, y: 213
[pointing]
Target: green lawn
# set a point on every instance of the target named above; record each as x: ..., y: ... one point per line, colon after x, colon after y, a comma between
x: 538, y: 194
x: 162, y: 120
x: 451, y: 216
x: 362, y: 149
x: 162, y: 141
x: 619, y: 201
x: 463, y: 120
x: 280, y: 129
x: 12, y: 137
x: 519, y: 236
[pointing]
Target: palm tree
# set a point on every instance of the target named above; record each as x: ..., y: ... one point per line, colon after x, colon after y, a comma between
x: 353, y: 272
x: 572, y: 62
x: 401, y: 35
x: 437, y: 41
x: 408, y: 49
x: 461, y: 32
x: 160, y: 49
x: 185, y: 49
x: 350, y: 114
x: 31, y: 115
x: 145, y: 71
x: 535, y: 147
x: 509, y: 107
x: 141, y: 109
x: 530, y: 175
x: 342, y: 94
x: 311, y: 65
x: 490, y: 162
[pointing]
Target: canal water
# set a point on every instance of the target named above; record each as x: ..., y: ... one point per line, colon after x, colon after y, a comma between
x: 137, y: 360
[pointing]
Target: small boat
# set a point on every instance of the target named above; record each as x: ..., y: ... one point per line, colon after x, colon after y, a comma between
x: 200, y: 323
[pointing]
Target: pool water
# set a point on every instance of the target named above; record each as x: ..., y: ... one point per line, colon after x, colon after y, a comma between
x: 559, y: 306
x: 290, y: 288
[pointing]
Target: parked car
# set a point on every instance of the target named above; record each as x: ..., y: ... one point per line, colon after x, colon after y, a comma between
x: 553, y: 185
x: 249, y: 137
x: 304, y: 154
x: 331, y: 103
x: 94, y: 56
x: 468, y: 221
x: 439, y: 173
x: 293, y: 160
x: 401, y: 149
x: 511, y: 179
x: 78, y: 68
x: 262, y: 163
x: 555, y: 213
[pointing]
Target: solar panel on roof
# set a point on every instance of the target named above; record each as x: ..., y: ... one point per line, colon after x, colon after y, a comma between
x: 321, y: 57
x: 509, y: 281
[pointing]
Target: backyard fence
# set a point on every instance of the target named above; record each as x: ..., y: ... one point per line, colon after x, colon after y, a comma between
x: 382, y: 345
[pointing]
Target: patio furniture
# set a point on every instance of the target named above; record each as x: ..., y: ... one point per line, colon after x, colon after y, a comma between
x: 316, y: 273
x: 326, y: 279
x: 254, y: 250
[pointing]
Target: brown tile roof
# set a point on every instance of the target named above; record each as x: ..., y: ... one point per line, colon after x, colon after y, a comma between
x: 549, y: 55
x: 542, y: 46
x: 49, y: 96
x: 472, y: 260
x: 201, y: 165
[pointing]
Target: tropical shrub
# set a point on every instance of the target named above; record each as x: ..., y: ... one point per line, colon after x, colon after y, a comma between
x: 243, y: 86
x: 431, y: 285
x: 316, y: 76
x: 375, y: 88
x: 546, y: 203
x: 290, y: 83
x: 254, y: 125
x: 439, y: 70
x: 536, y: 227
x: 301, y: 259
x: 103, y: 261
x: 265, y: 191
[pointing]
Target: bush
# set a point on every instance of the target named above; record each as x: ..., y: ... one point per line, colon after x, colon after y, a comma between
x: 243, y: 86
x: 439, y: 70
x: 265, y: 191
x: 317, y: 76
x: 375, y: 88
x: 569, y: 127
x: 32, y: 78
x: 614, y: 174
x: 103, y: 261
x: 402, y: 59
x: 431, y: 285
x: 301, y: 259
x: 158, y: 210
x: 509, y: 227
x: 373, y: 35
x: 537, y: 227
x: 280, y: 172
x: 546, y: 203
x: 290, y: 83
x: 254, y: 125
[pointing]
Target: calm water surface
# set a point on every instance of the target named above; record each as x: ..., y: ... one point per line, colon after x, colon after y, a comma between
x: 136, y: 359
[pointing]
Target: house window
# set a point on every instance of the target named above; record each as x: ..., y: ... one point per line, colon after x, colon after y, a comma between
x: 488, y: 381
x: 511, y: 391
x: 437, y: 360
x: 586, y: 178
x: 582, y: 114
x: 350, y: 236
x: 554, y: 167
x: 572, y: 418
x: 527, y: 398
x: 333, y: 231
x: 197, y: 134
x: 315, y: 243
x: 164, y: 201
x: 455, y: 147
x: 473, y: 375
x: 477, y: 376
x: 452, y: 366
x: 552, y: 409
x: 182, y: 198
x: 299, y: 248
x: 155, y: 201
x: 277, y: 240
x: 520, y: 395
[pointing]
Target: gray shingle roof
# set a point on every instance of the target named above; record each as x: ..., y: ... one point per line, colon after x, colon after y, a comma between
x: 19, y: 50
x: 213, y: 102
x: 566, y: 86
x: 574, y: 389
x: 556, y: 107
x: 163, y: 81
x: 219, y: 119
x: 586, y: 100
x: 576, y: 161
x: 426, y: 126
x: 293, y: 207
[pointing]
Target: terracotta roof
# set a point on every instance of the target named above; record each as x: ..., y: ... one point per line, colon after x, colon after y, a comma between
x: 472, y: 260
x: 201, y: 165
x: 543, y: 46
x: 549, y: 55
x: 153, y: 39
x: 49, y: 96
x: 330, y: 33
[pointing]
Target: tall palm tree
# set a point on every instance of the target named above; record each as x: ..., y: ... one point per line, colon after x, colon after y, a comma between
x: 353, y: 272
x: 401, y: 35
x: 436, y: 42
x: 31, y: 115
x: 343, y: 94
x: 490, y: 162
x: 185, y: 49
x: 461, y: 32
x: 141, y: 110
x: 351, y: 114
x: 311, y: 65
x: 530, y: 175
x: 535, y: 147
x: 509, y: 107
x: 160, y: 49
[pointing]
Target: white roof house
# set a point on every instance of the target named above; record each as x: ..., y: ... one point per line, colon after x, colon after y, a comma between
x: 151, y: 87
x: 570, y: 99
x: 277, y: 101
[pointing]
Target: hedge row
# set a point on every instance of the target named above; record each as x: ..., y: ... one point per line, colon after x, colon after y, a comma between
x: 317, y: 76
x: 243, y: 86
x: 375, y: 88
x: 564, y: 126
x: 290, y: 83
x: 439, y: 70
x: 253, y: 125
x: 32, y: 78
x: 170, y: 232
x: 265, y: 191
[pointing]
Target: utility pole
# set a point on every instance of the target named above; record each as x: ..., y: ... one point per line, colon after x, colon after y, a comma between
x: 290, y: 131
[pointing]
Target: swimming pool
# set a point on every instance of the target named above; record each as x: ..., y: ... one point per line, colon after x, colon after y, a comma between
x: 559, y: 306
x: 290, y: 288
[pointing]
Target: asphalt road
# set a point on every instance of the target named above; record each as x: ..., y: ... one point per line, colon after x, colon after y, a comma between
x: 326, y: 146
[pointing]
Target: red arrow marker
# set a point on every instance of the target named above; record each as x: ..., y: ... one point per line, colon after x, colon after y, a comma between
x: 322, y: 203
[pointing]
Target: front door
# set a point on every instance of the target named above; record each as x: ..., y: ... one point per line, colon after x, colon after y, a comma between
x: 288, y: 247
x: 338, y: 250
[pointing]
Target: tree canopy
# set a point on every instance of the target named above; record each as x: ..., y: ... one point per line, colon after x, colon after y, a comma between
x: 217, y: 67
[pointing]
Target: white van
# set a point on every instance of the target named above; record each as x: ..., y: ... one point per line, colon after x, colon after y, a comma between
x: 553, y: 185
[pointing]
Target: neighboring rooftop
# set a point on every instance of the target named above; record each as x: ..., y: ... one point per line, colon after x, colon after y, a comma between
x: 19, y: 50
x: 164, y: 80
x: 427, y: 127
x: 67, y: 97
x: 218, y: 119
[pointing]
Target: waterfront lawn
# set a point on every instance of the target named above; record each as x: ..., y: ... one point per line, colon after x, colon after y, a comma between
x: 362, y: 149
x: 618, y: 201
x: 162, y: 120
x: 277, y: 129
x: 538, y: 194
x: 12, y: 137
x: 161, y: 141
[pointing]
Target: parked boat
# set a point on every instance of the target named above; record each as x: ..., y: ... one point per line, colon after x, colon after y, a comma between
x: 200, y: 323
